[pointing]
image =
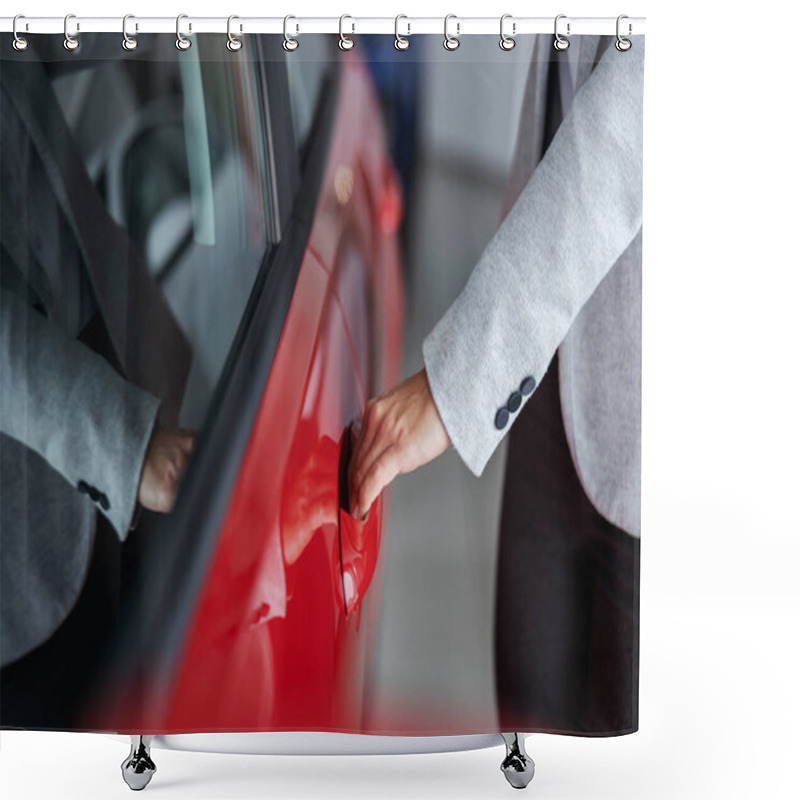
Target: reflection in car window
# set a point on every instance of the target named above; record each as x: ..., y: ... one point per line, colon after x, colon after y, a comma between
x: 178, y: 150
x: 306, y: 74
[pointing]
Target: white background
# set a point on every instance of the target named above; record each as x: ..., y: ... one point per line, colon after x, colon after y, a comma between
x: 720, y: 604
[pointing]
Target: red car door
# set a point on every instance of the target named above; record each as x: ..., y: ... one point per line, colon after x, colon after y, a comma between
x: 276, y: 633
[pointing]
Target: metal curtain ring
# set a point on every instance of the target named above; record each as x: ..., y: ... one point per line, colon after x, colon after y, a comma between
x: 70, y: 42
x: 128, y: 42
x: 345, y: 42
x: 507, y: 42
x: 560, y: 42
x: 623, y: 44
x: 233, y: 44
x: 400, y: 42
x: 290, y: 43
x: 451, y: 42
x: 181, y: 42
x: 20, y: 42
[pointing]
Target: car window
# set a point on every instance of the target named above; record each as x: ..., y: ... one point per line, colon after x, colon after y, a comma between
x: 307, y: 72
x: 177, y: 147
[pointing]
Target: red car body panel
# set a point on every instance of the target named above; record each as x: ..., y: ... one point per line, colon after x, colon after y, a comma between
x: 281, y: 631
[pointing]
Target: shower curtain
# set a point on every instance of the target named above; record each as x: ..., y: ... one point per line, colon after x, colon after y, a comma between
x: 211, y: 260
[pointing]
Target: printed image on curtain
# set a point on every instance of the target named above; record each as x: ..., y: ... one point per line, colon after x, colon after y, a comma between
x: 321, y: 385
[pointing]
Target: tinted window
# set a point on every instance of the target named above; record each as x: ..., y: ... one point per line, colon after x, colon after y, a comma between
x: 177, y: 147
x: 307, y: 72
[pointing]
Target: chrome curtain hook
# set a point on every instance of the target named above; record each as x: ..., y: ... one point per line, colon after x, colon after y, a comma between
x: 561, y: 42
x: 623, y: 44
x: 128, y: 42
x: 70, y: 42
x: 20, y: 42
x: 507, y: 42
x: 290, y: 43
x: 400, y: 42
x: 233, y: 44
x: 345, y: 42
x: 181, y: 42
x: 451, y: 42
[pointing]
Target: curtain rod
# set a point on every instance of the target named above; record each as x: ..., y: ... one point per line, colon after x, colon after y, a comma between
x: 407, y: 26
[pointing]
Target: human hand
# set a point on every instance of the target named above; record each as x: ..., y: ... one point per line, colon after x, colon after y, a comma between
x: 164, y: 464
x: 401, y: 430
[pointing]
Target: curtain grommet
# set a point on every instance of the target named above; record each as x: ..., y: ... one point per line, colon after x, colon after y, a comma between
x: 71, y: 43
x: 622, y: 44
x: 290, y: 43
x: 450, y: 42
x: 181, y: 42
x: 128, y: 42
x: 233, y: 44
x: 401, y: 42
x: 560, y: 42
x: 507, y: 42
x: 20, y: 43
x: 345, y: 42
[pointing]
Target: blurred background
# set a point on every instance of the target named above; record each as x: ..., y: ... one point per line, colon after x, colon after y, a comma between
x: 452, y: 136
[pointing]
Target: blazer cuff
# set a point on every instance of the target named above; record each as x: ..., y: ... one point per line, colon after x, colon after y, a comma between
x: 140, y: 421
x: 110, y: 476
x: 456, y: 401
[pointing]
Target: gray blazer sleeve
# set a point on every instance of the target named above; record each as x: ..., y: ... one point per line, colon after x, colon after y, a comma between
x: 69, y: 405
x: 576, y: 215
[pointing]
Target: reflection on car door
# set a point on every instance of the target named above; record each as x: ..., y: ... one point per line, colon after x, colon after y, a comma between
x: 251, y: 614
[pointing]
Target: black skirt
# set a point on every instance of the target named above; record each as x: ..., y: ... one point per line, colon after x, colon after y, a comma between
x: 567, y: 612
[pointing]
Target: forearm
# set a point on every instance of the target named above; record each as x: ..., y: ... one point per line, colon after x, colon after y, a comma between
x: 579, y: 211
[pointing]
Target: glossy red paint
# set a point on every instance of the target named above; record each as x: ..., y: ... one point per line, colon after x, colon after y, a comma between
x: 280, y: 635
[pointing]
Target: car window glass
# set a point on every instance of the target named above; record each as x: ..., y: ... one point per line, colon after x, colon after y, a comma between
x: 177, y: 148
x: 306, y: 74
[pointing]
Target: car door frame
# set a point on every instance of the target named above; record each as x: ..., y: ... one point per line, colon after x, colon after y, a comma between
x: 156, y: 616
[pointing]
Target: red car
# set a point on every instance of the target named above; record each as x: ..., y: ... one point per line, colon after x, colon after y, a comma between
x: 259, y: 188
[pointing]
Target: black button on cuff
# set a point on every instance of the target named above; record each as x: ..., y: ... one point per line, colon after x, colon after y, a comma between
x: 501, y: 418
x: 514, y: 402
x: 95, y: 494
x: 528, y: 385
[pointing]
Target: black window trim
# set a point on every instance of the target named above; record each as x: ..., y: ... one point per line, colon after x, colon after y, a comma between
x: 284, y: 183
x: 156, y: 613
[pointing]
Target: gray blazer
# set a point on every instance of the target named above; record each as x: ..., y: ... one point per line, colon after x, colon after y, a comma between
x: 73, y: 428
x: 562, y: 272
